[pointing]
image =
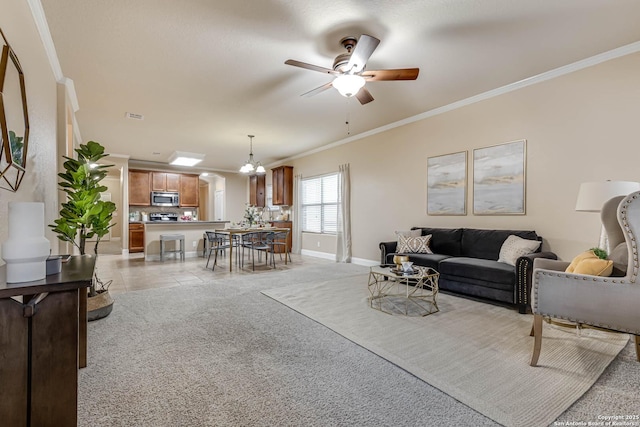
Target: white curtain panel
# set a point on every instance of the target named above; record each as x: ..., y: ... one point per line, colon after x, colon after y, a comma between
x: 343, y: 236
x: 296, y: 237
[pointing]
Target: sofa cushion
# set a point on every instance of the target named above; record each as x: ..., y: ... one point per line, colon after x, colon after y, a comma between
x: 515, y: 247
x: 486, y: 244
x: 415, y: 245
x: 427, y: 260
x: 444, y: 241
x: 479, y: 269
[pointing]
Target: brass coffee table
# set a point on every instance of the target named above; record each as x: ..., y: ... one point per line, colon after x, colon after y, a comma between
x: 404, y: 293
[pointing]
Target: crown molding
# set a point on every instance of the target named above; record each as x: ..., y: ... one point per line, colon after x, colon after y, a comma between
x: 50, y: 49
x: 45, y: 35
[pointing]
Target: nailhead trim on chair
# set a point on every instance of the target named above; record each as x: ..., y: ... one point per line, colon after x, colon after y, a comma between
x: 629, y: 231
x: 521, y: 271
x: 632, y: 278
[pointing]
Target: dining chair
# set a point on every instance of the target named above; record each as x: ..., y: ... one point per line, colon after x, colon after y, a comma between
x: 280, y: 244
x: 256, y: 241
x: 217, y: 243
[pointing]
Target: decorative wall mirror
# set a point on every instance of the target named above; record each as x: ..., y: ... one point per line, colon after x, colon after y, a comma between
x: 14, y: 119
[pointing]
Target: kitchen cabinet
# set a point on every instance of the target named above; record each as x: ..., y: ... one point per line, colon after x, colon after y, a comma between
x: 165, y: 181
x: 257, y: 190
x: 136, y: 237
x: 282, y: 181
x: 189, y: 189
x: 139, y: 188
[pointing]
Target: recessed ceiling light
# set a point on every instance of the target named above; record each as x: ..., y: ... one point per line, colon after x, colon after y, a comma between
x: 182, y: 158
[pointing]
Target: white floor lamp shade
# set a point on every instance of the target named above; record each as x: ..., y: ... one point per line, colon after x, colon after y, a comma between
x: 592, y: 195
x: 26, y: 250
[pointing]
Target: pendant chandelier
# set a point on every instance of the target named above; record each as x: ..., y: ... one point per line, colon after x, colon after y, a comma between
x: 252, y: 166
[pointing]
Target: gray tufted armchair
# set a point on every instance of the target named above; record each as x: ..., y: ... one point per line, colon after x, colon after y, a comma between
x: 603, y: 302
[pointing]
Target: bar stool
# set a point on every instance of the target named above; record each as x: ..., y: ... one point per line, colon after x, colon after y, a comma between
x: 169, y: 237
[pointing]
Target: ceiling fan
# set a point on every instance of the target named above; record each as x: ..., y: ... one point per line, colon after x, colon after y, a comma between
x: 349, y: 69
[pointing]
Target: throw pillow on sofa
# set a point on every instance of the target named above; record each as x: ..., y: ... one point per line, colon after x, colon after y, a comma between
x: 589, y: 263
x: 410, y: 233
x: 414, y: 245
x: 514, y: 247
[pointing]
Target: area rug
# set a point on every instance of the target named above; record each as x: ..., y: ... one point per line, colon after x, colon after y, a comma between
x: 475, y: 352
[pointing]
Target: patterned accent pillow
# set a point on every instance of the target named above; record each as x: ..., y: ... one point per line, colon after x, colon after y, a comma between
x: 414, y: 245
x: 515, y: 247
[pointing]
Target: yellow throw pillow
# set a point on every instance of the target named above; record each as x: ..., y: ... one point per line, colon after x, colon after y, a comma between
x: 578, y: 259
x: 594, y: 267
x: 589, y: 263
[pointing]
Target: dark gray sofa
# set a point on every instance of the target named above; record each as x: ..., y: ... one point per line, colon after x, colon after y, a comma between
x: 466, y: 259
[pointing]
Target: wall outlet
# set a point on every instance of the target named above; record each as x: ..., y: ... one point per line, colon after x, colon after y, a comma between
x: 195, y: 243
x: 318, y: 244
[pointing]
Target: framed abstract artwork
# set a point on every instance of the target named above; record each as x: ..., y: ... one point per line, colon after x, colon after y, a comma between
x: 447, y: 184
x: 499, y: 179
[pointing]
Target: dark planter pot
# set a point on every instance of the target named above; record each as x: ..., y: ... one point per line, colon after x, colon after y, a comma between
x: 100, y: 306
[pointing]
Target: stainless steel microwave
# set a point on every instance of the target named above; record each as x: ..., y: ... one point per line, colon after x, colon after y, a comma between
x: 165, y: 198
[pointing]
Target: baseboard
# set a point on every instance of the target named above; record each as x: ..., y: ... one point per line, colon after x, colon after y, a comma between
x: 365, y: 262
x: 316, y: 254
x: 332, y: 257
x: 171, y: 256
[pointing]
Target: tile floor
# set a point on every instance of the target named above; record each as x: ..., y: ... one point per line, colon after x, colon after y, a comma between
x: 132, y: 273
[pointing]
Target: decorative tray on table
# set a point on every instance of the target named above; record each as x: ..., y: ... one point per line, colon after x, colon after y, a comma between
x: 403, y: 272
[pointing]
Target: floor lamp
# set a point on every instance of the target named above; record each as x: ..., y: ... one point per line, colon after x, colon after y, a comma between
x: 592, y: 195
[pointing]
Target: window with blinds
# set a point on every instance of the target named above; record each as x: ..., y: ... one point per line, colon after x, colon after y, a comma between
x: 320, y: 204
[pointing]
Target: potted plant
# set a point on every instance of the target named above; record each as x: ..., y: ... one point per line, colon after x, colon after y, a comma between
x: 84, y: 216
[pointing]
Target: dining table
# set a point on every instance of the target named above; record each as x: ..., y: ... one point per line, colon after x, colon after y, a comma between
x: 232, y: 232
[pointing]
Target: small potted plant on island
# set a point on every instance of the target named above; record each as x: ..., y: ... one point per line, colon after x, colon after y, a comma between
x: 84, y: 216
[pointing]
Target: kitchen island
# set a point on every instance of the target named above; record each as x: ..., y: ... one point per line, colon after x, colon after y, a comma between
x: 193, y: 235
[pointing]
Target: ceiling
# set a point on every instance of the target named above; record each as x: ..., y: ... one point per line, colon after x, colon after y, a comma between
x: 206, y: 73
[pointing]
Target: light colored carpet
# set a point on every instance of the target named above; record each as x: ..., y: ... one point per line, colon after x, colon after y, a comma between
x: 220, y: 353
x: 475, y: 352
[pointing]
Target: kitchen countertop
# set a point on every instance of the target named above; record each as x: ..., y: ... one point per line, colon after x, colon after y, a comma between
x: 177, y: 222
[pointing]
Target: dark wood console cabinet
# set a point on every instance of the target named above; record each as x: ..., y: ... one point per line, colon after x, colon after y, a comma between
x: 42, y: 345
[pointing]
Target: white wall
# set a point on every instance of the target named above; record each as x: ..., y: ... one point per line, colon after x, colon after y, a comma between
x: 579, y: 127
x: 40, y: 181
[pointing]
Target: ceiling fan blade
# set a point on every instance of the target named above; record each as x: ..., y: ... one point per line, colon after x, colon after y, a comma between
x: 364, y: 48
x: 364, y: 96
x: 310, y: 67
x: 318, y: 90
x: 398, y: 74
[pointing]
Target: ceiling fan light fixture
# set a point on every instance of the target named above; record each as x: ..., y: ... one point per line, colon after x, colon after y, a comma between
x: 348, y: 84
x: 252, y: 165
